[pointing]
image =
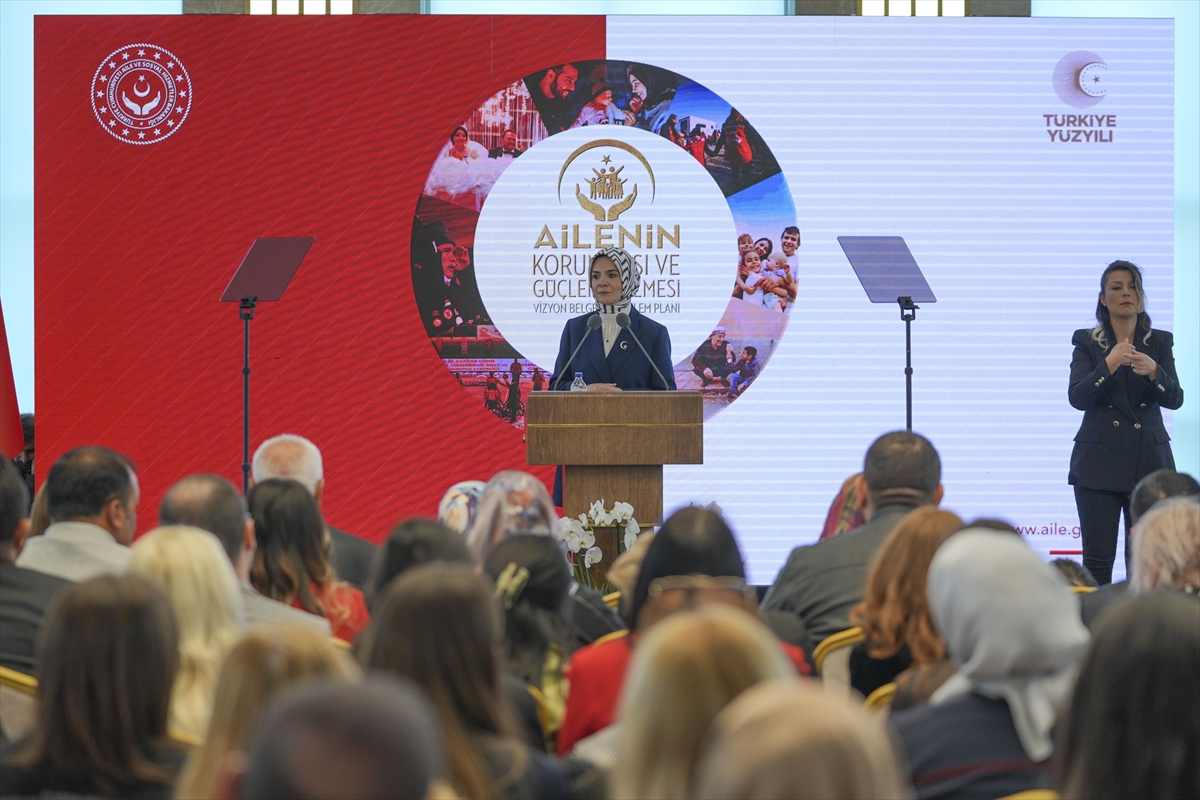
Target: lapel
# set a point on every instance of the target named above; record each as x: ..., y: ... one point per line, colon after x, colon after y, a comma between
x: 594, y: 348
x: 1125, y: 380
x: 624, y: 345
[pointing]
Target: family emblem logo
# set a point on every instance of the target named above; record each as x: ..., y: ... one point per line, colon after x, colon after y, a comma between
x: 607, y: 183
x: 141, y: 93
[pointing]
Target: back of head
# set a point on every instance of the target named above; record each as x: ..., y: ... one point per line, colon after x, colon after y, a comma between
x: 14, y: 500
x: 789, y: 739
x: 107, y: 659
x: 1074, y: 573
x: 693, y: 541
x: 457, y: 506
x: 532, y: 582
x: 1160, y: 485
x: 415, y: 542
x: 375, y: 740
x: 513, y: 502
x: 291, y: 542
x: 288, y: 456
x: 902, y: 467
x: 1134, y: 722
x: 1166, y: 546
x: 685, y: 670
x: 84, y: 480
x: 210, y: 503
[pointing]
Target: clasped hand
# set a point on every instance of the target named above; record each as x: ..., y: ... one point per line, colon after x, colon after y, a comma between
x: 1125, y: 354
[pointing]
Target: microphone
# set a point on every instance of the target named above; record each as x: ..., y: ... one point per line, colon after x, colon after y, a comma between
x: 623, y: 322
x: 593, y: 323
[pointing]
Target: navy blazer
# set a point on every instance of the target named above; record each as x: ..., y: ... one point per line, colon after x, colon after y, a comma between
x: 625, y: 365
x: 1122, y: 438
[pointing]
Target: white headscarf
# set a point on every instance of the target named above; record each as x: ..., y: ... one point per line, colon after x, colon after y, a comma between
x: 631, y: 279
x: 1010, y: 625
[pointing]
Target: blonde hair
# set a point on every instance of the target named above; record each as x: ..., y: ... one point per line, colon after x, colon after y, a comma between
x: 264, y: 660
x: 685, y: 670
x: 192, y: 567
x: 1166, y: 546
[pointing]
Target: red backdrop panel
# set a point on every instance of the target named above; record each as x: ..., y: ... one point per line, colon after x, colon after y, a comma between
x: 321, y: 127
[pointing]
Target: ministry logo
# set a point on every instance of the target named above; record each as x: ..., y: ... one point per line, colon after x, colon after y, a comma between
x: 606, y: 183
x: 141, y: 93
x: 1081, y: 79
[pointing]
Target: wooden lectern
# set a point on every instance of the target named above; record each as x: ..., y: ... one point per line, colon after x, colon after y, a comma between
x: 612, y: 445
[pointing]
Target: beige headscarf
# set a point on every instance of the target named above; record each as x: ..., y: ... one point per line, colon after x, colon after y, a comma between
x: 790, y: 739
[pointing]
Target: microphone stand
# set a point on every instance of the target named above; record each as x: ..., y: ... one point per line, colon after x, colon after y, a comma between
x: 594, y: 322
x: 623, y: 322
x: 246, y: 313
x: 908, y: 312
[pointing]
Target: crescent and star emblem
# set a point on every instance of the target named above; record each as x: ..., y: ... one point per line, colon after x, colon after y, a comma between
x: 624, y: 345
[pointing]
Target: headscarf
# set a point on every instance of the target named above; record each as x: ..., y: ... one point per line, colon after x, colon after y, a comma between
x: 790, y: 739
x: 512, y: 502
x: 631, y: 279
x: 1011, y: 626
x: 458, y: 504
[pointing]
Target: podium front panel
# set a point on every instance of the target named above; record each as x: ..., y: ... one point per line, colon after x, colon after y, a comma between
x: 614, y: 428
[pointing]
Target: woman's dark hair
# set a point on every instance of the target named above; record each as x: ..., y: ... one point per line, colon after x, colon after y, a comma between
x: 1103, y: 332
x: 437, y: 625
x: 107, y: 657
x: 1134, y: 721
x: 292, y: 553
x: 456, y: 130
x: 694, y: 541
x: 770, y: 247
x: 1075, y: 573
x: 533, y: 616
x: 414, y: 542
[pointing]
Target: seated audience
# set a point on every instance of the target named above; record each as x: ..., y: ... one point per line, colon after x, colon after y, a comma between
x: 1074, y: 573
x: 790, y: 740
x: 532, y: 582
x: 211, y: 503
x: 26, y: 592
x: 624, y: 572
x: 191, y: 566
x: 1166, y: 547
x: 823, y: 582
x: 686, y: 669
x: 106, y: 665
x: 22, y: 462
x: 294, y: 457
x: 1155, y: 487
x: 264, y: 661
x: 1012, y: 629
x: 1133, y: 728
x: 291, y: 564
x: 337, y: 742
x: 412, y: 543
x: 457, y: 506
x: 91, y: 498
x: 693, y: 541
x: 848, y: 509
x: 516, y: 502
x: 894, y: 614
x: 39, y: 517
x: 437, y: 626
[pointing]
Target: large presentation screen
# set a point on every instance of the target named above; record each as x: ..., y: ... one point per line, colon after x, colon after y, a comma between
x: 457, y: 173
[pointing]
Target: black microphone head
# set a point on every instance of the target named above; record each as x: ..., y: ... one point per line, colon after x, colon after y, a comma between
x: 622, y: 320
x: 594, y: 322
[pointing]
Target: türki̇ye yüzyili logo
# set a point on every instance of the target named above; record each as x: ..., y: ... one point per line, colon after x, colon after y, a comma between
x: 1081, y: 80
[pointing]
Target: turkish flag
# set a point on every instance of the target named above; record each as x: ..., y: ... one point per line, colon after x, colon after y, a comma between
x: 12, y: 440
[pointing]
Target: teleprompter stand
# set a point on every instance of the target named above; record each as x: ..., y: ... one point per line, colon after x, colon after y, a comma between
x: 264, y: 274
x: 889, y: 274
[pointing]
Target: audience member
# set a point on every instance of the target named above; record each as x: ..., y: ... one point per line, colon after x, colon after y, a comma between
x: 623, y: 573
x: 457, y: 506
x: 106, y: 664
x: 894, y: 613
x: 1012, y: 629
x: 190, y: 565
x: 532, y: 582
x: 39, y: 517
x: 412, y: 543
x: 291, y: 563
x: 291, y: 456
x: 1074, y: 573
x: 91, y: 497
x: 26, y: 592
x: 375, y: 741
x: 1133, y: 729
x: 789, y: 740
x: 264, y: 661
x: 1166, y: 547
x: 23, y: 461
x: 687, y: 668
x: 1158, y: 485
x: 211, y: 503
x: 437, y: 625
x: 848, y: 509
x: 822, y: 582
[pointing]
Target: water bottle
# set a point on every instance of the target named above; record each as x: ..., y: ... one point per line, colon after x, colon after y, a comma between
x: 578, y: 385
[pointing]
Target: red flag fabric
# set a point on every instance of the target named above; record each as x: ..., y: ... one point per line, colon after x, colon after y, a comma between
x: 12, y: 440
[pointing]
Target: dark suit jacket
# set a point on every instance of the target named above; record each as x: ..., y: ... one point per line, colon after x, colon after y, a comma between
x: 1122, y: 438
x: 625, y: 365
x: 821, y: 583
x: 353, y: 557
x: 26, y: 594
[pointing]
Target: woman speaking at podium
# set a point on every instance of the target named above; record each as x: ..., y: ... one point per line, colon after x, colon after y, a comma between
x: 1122, y: 374
x: 629, y: 351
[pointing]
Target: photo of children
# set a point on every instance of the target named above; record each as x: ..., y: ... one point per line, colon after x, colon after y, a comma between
x: 583, y: 93
x: 724, y: 366
x: 766, y: 274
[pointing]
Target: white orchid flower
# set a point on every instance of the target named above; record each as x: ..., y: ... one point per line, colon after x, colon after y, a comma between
x: 592, y: 556
x: 576, y: 534
x: 630, y: 539
x: 587, y: 539
x: 622, y: 511
x: 597, y: 509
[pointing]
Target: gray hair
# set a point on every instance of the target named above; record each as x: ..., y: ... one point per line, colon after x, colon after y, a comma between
x: 288, y: 456
x: 1166, y: 546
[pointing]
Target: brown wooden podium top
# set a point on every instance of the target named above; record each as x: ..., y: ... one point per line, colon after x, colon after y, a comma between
x: 597, y: 428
